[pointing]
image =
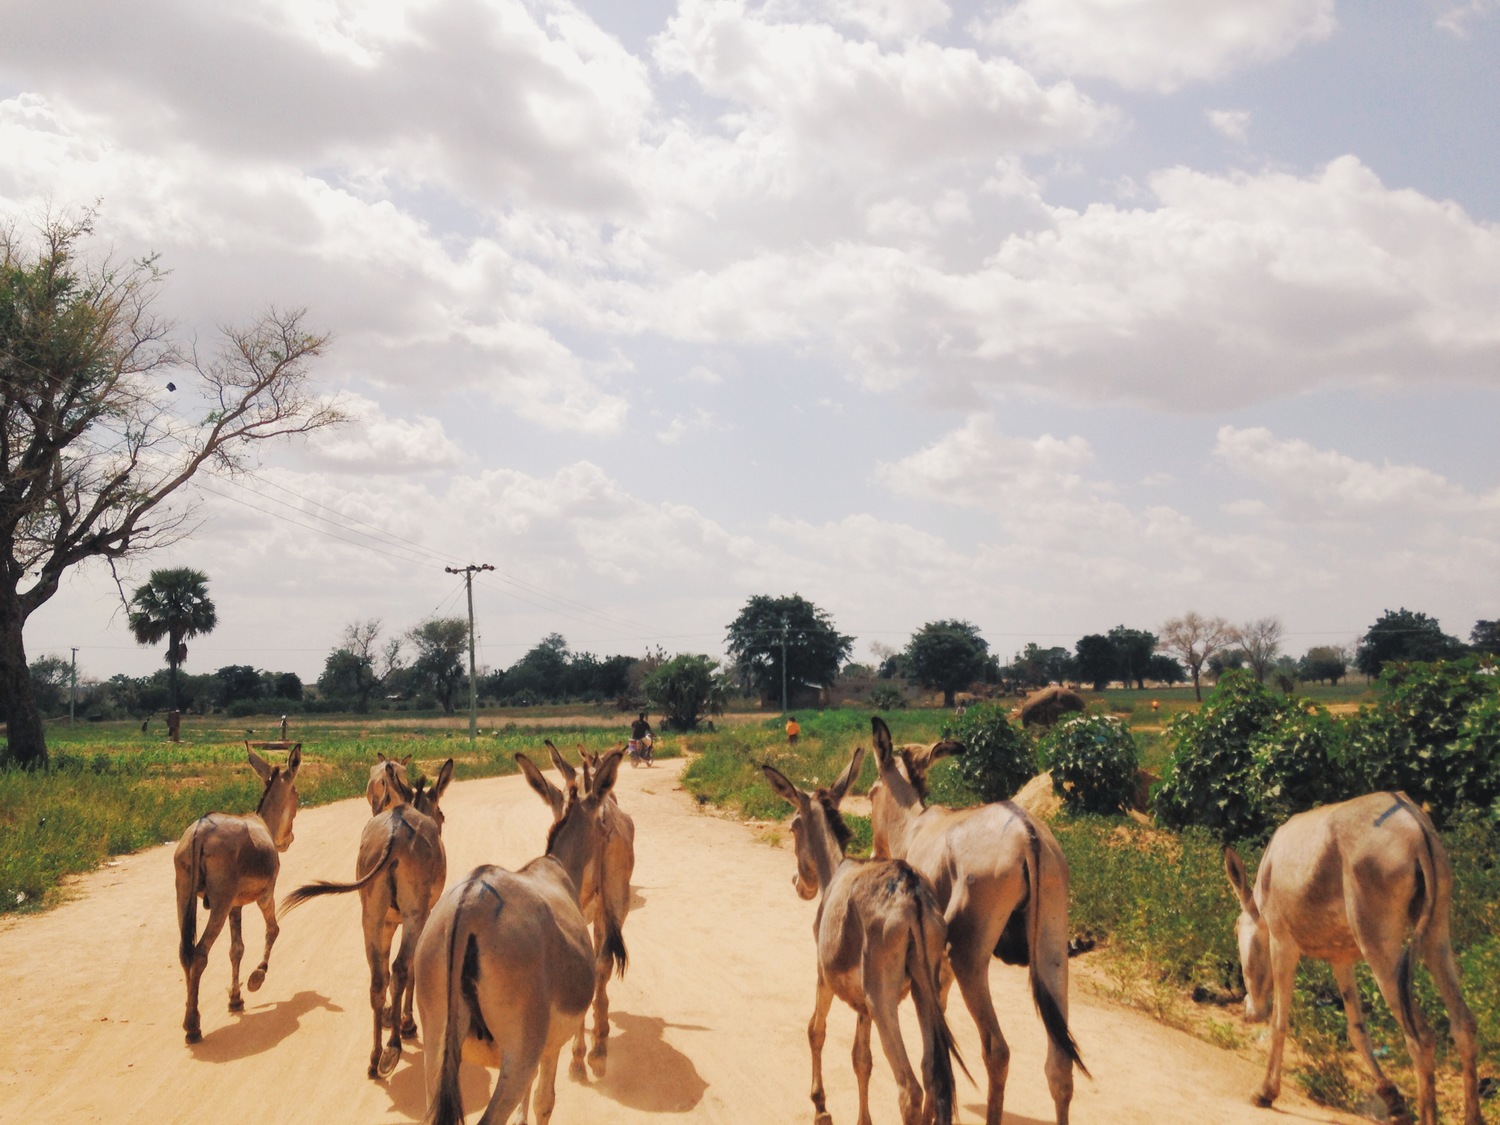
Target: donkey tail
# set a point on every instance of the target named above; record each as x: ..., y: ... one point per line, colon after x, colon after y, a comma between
x: 447, y: 1106
x: 187, y: 903
x: 324, y: 887
x: 939, y: 1049
x: 1422, y: 908
x: 1047, y: 1004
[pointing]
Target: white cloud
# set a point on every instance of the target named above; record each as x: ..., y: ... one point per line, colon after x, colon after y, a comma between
x: 1157, y: 44
x: 1232, y: 123
x: 374, y: 443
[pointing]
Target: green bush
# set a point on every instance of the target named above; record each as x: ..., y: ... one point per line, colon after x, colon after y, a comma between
x: 998, y: 759
x: 1211, y: 778
x: 887, y: 697
x: 1093, y: 759
x: 1299, y: 762
x: 1435, y: 733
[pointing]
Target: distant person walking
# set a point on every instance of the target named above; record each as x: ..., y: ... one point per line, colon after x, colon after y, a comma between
x: 792, y: 730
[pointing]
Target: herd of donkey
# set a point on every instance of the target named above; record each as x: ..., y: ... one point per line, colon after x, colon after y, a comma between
x: 503, y: 968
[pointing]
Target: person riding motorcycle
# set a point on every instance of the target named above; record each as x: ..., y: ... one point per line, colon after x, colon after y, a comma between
x: 641, y: 738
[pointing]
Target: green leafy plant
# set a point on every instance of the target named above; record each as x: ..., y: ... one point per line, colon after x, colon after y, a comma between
x: 887, y: 697
x: 1093, y: 760
x: 998, y: 759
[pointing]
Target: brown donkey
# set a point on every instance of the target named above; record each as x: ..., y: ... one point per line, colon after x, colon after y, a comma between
x: 378, y: 790
x: 402, y: 867
x: 1004, y: 883
x: 879, y: 931
x: 230, y: 860
x: 604, y: 904
x: 1344, y: 883
x: 505, y: 967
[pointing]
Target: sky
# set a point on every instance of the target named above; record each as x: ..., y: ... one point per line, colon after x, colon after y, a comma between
x: 1047, y: 315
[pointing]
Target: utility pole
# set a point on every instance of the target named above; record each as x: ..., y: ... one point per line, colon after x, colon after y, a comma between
x: 783, y: 664
x: 468, y: 573
x: 73, y: 690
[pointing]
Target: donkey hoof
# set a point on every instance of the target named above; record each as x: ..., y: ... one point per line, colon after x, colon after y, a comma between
x: 577, y: 1071
x: 408, y: 1029
x: 824, y: 1118
x: 388, y: 1060
x: 236, y: 1003
x: 257, y: 979
x: 598, y: 1064
x: 1261, y: 1100
x: 193, y: 1035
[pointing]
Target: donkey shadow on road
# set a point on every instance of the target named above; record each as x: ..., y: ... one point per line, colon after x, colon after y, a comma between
x: 259, y: 1028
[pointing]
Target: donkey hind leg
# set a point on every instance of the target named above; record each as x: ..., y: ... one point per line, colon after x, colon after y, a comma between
x: 1419, y: 1038
x: 864, y: 1063
x: 1050, y: 963
x: 1437, y: 953
x: 603, y: 968
x: 1359, y: 1036
x: 216, y: 918
x: 236, y: 951
x: 817, y: 1032
x: 401, y: 987
x: 884, y: 974
x: 1284, y: 958
x: 267, y: 904
x: 974, y: 986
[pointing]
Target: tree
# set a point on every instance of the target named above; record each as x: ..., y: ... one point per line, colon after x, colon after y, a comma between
x: 1134, y: 647
x: 1485, y: 637
x: 768, y: 628
x: 946, y: 656
x: 360, y: 665
x: 1324, y: 662
x: 1260, y: 641
x: 92, y: 451
x: 1097, y: 660
x: 174, y: 604
x: 685, y: 688
x: 283, y: 685
x: 1402, y: 635
x: 442, y: 645
x: 1194, y: 638
x: 543, y: 672
x: 51, y: 678
x: 1164, y: 669
x: 238, y: 682
x: 1035, y: 666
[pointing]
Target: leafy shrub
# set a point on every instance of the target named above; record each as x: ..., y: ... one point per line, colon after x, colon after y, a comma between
x: 887, y: 697
x: 1434, y: 733
x: 1093, y: 759
x: 1299, y: 763
x: 998, y: 759
x: 1211, y: 778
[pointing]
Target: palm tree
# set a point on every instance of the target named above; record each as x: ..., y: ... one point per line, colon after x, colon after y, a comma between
x: 174, y: 604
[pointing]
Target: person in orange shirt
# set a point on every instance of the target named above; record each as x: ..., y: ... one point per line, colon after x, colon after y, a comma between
x: 792, y: 730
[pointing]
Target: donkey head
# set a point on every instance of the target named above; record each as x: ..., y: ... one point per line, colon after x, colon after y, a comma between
x: 1254, y: 939
x: 426, y: 800
x: 278, y: 801
x: 819, y: 834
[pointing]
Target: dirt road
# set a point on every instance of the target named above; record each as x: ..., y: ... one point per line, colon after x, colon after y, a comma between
x: 709, y: 1023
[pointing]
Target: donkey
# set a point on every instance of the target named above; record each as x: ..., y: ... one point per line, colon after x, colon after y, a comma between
x: 879, y: 931
x: 1004, y: 883
x: 230, y: 860
x: 1343, y: 883
x: 404, y: 868
x: 377, y: 791
x: 505, y: 968
x: 605, y: 904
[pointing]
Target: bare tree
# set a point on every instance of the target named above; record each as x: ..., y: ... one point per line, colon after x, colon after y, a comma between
x: 1193, y: 638
x: 1260, y: 641
x: 93, y: 446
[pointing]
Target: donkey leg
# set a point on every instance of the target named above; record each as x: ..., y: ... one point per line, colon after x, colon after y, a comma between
x: 377, y: 952
x: 864, y: 1063
x: 236, y: 951
x: 1383, y: 958
x: 1359, y: 1036
x: 1050, y: 963
x: 974, y: 985
x: 1437, y: 953
x: 267, y: 904
x: 1284, y: 958
x: 817, y: 1032
x: 603, y: 967
x: 401, y: 983
x: 216, y: 918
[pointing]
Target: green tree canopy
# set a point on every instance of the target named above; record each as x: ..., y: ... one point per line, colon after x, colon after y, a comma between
x: 1135, y: 648
x: 173, y: 604
x: 1096, y: 660
x: 767, y: 627
x: 94, y: 444
x: 946, y: 656
x: 1404, y: 635
x: 1324, y: 662
x: 442, y: 644
x: 686, y: 688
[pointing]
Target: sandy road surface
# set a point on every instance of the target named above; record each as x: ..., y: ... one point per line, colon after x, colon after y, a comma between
x: 709, y: 1023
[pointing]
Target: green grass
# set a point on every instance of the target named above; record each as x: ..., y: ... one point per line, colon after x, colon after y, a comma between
x: 109, y: 789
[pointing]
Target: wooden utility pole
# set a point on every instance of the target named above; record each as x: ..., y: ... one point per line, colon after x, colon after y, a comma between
x: 468, y: 573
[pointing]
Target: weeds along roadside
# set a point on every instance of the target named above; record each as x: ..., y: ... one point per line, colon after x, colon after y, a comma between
x: 1157, y: 904
x: 110, y: 790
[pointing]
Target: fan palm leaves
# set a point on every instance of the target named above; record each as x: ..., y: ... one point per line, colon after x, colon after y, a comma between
x: 173, y: 604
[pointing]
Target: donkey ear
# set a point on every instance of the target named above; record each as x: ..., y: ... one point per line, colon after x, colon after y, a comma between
x: 294, y: 761
x: 884, y: 754
x: 259, y: 765
x: 569, y: 773
x: 848, y: 777
x: 784, y: 788
x: 445, y: 775
x: 397, y: 785
x: 1234, y: 867
x: 544, y: 788
x: 944, y: 749
x: 604, y: 776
